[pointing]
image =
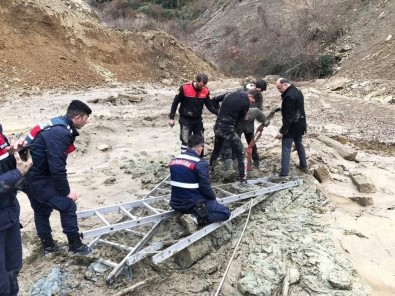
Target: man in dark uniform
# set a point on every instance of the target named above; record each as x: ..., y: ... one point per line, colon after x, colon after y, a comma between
x: 294, y: 125
x: 234, y: 108
x: 191, y: 191
x: 192, y: 96
x: 11, y: 173
x: 46, y: 183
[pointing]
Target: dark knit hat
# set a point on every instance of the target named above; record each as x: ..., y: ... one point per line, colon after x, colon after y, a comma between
x: 261, y: 84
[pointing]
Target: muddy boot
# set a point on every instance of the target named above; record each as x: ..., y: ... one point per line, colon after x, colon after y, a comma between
x: 49, y: 246
x: 228, y: 164
x: 303, y: 169
x: 212, y: 167
x: 76, y: 245
x: 243, y: 182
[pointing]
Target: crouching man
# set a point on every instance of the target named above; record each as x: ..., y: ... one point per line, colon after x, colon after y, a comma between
x: 191, y: 191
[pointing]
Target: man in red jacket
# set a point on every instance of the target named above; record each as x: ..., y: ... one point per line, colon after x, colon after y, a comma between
x: 191, y: 97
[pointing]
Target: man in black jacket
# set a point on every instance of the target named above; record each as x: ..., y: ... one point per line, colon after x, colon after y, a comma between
x: 234, y: 107
x: 294, y: 125
x: 192, y: 96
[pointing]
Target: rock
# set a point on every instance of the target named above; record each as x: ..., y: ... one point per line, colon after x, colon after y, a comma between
x: 271, y: 78
x: 345, y: 48
x: 363, y: 183
x: 110, y: 181
x: 93, y: 101
x: 337, y: 83
x: 188, y: 224
x: 294, y: 275
x: 130, y: 97
x: 209, y: 267
x: 103, y: 147
x: 167, y: 82
x: 363, y: 200
x: 340, y: 279
x: 344, y: 151
x: 189, y: 256
x: 388, y: 38
x: 321, y: 174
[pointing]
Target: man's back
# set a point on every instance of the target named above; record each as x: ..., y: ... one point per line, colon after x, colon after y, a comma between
x: 234, y: 107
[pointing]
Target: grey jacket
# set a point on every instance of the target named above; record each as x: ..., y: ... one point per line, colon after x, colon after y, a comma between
x: 248, y: 125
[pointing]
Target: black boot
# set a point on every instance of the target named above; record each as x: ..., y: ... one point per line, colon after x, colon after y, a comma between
x: 49, y: 246
x: 76, y: 245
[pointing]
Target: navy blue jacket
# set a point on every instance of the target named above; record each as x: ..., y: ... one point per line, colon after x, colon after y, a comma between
x: 292, y: 111
x: 50, y: 156
x: 9, y: 176
x: 190, y: 181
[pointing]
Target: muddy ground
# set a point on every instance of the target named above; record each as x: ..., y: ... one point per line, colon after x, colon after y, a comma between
x: 311, y: 240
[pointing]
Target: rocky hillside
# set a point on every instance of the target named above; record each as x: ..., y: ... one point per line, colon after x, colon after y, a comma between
x: 236, y: 34
x: 54, y: 43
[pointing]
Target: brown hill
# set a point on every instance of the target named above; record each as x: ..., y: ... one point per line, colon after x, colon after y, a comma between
x: 50, y: 43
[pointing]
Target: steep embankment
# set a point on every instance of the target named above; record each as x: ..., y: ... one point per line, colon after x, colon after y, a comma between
x: 252, y: 34
x: 50, y: 43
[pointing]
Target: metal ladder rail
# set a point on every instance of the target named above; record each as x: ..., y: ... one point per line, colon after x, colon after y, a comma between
x: 126, y: 210
x: 166, y: 215
x: 187, y: 241
x: 121, y: 265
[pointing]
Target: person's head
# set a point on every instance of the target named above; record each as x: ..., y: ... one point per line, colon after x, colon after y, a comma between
x: 201, y: 80
x: 196, y: 143
x: 261, y: 85
x: 254, y: 96
x: 282, y: 84
x: 78, y: 112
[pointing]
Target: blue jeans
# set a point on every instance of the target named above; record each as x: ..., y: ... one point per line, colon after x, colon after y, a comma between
x: 10, y: 260
x: 286, y: 154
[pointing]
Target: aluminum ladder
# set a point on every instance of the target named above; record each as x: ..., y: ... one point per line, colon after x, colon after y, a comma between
x: 131, y: 227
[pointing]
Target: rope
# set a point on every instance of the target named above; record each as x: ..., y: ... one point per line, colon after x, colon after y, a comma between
x: 234, y: 252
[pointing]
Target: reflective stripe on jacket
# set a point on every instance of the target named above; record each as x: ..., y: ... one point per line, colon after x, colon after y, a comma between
x: 190, y: 181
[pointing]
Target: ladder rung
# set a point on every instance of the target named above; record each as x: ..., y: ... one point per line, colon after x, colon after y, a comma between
x: 102, y: 218
x: 116, y: 208
x: 127, y: 213
x: 152, y: 209
x: 117, y: 245
x: 107, y: 262
x: 144, y: 253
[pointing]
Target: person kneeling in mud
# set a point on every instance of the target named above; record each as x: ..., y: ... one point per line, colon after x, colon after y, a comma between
x: 191, y: 191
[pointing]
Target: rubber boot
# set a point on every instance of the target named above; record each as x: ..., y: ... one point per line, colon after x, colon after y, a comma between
x: 77, y: 246
x: 49, y: 246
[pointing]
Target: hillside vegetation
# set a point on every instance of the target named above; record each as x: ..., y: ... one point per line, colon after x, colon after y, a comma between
x: 301, y: 39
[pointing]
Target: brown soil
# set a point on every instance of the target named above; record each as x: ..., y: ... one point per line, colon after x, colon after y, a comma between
x: 61, y: 44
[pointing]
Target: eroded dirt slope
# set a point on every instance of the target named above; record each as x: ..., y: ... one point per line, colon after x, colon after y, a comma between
x: 60, y: 43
